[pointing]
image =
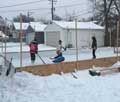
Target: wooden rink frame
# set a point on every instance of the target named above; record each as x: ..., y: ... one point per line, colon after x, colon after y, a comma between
x: 66, y: 67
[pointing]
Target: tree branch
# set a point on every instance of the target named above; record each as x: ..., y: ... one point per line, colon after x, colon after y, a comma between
x: 108, y: 9
x: 117, y: 8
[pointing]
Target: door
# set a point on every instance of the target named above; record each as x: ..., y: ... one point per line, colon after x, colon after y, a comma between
x: 52, y: 38
x: 39, y: 37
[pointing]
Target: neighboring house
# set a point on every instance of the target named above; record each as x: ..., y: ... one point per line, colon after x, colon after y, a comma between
x: 16, y: 30
x: 35, y: 30
x: 3, y: 36
x: 5, y: 26
x: 65, y: 31
x: 2, y: 24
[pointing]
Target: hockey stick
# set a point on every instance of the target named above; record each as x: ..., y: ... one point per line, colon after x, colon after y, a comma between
x: 41, y: 59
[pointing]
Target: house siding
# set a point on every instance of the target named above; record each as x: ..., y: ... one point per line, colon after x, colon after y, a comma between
x: 68, y: 36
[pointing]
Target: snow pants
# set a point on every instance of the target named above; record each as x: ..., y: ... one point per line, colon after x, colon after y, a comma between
x: 32, y: 57
x: 59, y: 59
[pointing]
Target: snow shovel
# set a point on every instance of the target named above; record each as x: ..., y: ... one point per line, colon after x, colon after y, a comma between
x: 94, y: 73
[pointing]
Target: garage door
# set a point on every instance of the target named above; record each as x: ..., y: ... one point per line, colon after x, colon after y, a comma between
x: 83, y: 40
x: 52, y: 38
x: 39, y: 37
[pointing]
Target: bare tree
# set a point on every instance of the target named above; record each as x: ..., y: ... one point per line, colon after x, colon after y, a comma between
x: 106, y: 13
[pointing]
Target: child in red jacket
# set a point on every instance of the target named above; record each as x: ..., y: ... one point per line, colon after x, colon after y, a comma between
x: 33, y: 50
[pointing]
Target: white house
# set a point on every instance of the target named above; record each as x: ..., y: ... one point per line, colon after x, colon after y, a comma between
x: 3, y: 36
x: 16, y: 30
x: 65, y: 31
x: 35, y: 30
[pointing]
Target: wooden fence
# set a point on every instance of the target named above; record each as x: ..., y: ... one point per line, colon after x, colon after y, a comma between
x: 67, y: 67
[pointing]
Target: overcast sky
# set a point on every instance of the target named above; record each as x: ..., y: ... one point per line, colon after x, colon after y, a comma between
x: 63, y: 8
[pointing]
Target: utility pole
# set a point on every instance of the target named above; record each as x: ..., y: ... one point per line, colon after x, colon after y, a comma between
x: 52, y: 8
x: 117, y: 39
x: 28, y: 15
x: 76, y: 37
x: 5, y: 39
x: 20, y: 40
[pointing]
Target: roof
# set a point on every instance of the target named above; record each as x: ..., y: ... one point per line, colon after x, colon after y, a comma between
x: 24, y: 25
x: 80, y: 25
x: 2, y: 35
x: 38, y: 26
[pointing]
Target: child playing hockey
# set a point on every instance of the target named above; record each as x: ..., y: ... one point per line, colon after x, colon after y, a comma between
x: 59, y: 58
x: 33, y: 50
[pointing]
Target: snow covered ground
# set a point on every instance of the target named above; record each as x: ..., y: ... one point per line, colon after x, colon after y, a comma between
x: 25, y: 87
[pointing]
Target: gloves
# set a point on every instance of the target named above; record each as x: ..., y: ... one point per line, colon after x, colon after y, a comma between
x: 65, y: 49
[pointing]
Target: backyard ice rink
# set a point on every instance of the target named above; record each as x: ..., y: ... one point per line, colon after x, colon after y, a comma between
x: 13, y: 51
x: 25, y: 87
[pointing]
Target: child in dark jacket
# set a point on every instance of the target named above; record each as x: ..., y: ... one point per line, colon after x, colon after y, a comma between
x: 94, y: 46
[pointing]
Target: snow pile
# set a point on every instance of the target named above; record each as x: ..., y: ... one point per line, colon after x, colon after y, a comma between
x: 1, y: 65
x: 25, y: 87
x: 117, y: 63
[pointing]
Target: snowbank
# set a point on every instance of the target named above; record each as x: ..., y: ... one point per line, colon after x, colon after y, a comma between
x: 25, y: 87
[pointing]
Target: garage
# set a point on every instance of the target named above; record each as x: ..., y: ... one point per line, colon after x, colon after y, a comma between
x: 35, y: 30
x: 66, y: 31
x: 52, y: 38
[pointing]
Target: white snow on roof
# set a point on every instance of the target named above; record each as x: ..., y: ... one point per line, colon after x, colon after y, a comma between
x: 80, y: 25
x: 24, y: 26
x: 2, y: 35
x: 38, y: 26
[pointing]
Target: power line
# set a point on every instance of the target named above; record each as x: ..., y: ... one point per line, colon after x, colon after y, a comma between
x: 64, y: 6
x: 71, y: 5
x: 25, y: 10
x: 52, y: 6
x: 83, y: 13
x: 21, y: 4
